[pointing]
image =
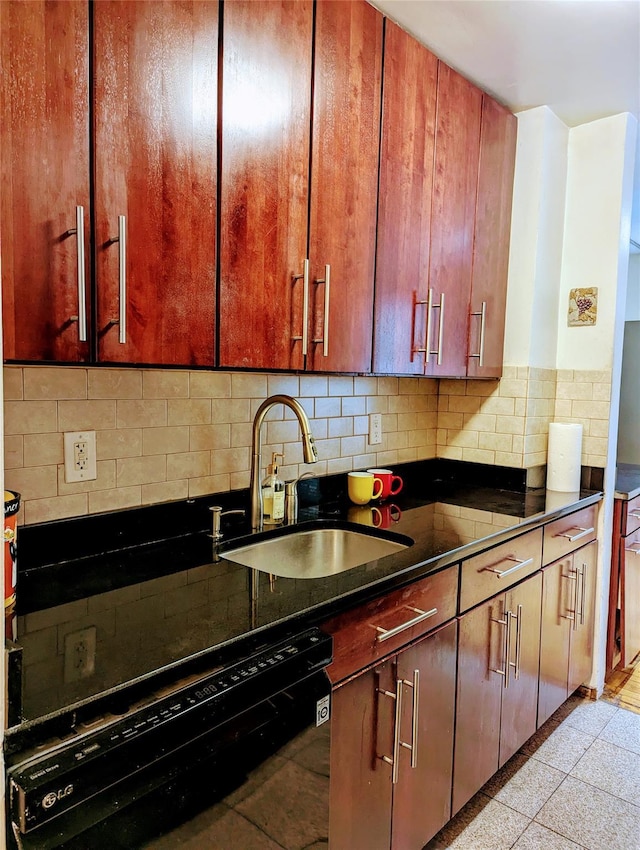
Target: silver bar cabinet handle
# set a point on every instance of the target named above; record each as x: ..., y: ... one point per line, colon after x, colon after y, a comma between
x: 415, y: 713
x: 506, y: 646
x: 576, y: 596
x: 325, y: 330
x: 583, y: 582
x: 427, y: 350
x: 122, y: 253
x: 483, y: 315
x: 304, y: 277
x: 635, y: 514
x: 81, y: 318
x: 414, y: 348
x: 518, y: 641
x: 394, y: 760
x: 385, y: 634
x: 82, y: 304
x: 440, y: 329
x: 634, y: 548
x: 502, y: 573
x: 582, y: 532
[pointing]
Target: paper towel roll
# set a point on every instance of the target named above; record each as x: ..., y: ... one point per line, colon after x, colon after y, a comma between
x: 563, y: 457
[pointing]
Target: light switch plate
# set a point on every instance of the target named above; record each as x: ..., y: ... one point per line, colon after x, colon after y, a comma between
x: 80, y: 456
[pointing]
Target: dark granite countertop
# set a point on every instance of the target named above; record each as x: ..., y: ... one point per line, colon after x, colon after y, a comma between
x: 150, y: 611
x: 627, y: 481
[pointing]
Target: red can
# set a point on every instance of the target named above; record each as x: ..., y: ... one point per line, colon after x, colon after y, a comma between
x: 11, y: 508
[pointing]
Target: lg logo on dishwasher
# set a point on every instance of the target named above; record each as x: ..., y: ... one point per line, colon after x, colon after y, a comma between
x: 53, y: 797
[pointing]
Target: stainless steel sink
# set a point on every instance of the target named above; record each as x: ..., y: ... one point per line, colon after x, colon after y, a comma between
x: 314, y: 553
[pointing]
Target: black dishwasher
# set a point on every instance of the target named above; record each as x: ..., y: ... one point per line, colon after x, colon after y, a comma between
x: 237, y: 759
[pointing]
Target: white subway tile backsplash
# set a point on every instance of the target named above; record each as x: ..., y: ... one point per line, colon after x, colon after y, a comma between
x: 173, y: 434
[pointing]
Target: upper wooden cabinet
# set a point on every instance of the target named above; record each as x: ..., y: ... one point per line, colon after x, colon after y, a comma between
x: 344, y: 184
x: 452, y: 224
x: 404, y: 211
x: 153, y: 95
x: 264, y: 185
x: 44, y: 168
x: 446, y: 176
x: 155, y: 107
x: 491, y: 242
x: 297, y: 257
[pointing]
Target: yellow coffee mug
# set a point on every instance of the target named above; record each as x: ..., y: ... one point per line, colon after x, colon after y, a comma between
x: 362, y: 487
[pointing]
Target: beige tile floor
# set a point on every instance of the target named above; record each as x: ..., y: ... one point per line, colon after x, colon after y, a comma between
x: 574, y: 786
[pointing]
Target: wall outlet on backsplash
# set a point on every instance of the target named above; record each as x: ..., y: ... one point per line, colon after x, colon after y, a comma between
x: 80, y: 456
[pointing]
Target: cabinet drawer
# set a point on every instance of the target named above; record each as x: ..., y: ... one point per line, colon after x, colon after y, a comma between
x: 365, y: 634
x: 633, y: 516
x: 491, y: 572
x: 568, y: 533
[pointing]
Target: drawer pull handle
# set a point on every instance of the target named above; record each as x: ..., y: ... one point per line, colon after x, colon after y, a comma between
x: 582, y: 532
x: 385, y: 634
x: 502, y: 573
x: 635, y: 514
x: 634, y: 548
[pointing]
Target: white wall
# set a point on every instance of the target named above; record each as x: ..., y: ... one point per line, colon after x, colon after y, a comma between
x: 536, y: 239
x: 596, y: 236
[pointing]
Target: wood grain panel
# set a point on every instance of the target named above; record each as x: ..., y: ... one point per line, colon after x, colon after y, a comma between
x: 422, y: 796
x: 453, y: 216
x: 344, y: 180
x: 354, y: 632
x: 360, y: 789
x: 478, y: 581
x: 519, y: 700
x: 479, y: 696
x: 155, y: 137
x: 581, y: 657
x: 557, y: 540
x: 44, y: 172
x: 266, y: 114
x: 631, y: 510
x: 491, y: 239
x: 404, y: 213
x: 558, y: 598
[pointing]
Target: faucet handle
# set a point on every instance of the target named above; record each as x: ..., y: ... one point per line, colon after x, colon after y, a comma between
x: 216, y: 518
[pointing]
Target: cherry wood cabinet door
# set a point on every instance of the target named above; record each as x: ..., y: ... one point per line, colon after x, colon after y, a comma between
x: 491, y: 241
x: 44, y: 172
x: 404, y: 212
x: 481, y: 653
x: 581, y: 655
x: 361, y: 733
x: 264, y: 183
x: 155, y: 125
x: 344, y: 184
x: 520, y: 697
x: 452, y: 223
x: 558, y: 598
x: 422, y: 796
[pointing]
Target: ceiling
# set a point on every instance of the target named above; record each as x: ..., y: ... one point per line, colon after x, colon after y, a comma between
x: 579, y: 57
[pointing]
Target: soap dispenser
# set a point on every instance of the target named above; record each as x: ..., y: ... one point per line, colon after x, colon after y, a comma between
x: 273, y: 493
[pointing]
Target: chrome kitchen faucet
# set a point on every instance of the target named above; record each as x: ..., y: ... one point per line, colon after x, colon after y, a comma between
x: 308, y: 447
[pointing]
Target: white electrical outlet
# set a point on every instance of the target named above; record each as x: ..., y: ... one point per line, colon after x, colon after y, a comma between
x: 375, y: 429
x: 80, y: 456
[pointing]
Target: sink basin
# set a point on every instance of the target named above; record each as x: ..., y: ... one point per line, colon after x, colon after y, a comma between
x: 316, y: 552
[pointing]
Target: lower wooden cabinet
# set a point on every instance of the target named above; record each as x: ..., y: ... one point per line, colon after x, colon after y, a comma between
x: 498, y: 655
x: 392, y: 748
x: 566, y: 640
